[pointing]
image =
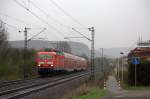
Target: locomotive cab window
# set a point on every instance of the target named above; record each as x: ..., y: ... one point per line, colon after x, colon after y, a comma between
x: 45, y: 57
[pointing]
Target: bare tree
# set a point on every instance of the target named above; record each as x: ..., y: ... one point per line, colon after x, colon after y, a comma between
x: 3, y: 41
x: 3, y: 35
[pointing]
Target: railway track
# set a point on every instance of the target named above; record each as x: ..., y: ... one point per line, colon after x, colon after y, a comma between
x: 29, y: 88
x: 7, y: 83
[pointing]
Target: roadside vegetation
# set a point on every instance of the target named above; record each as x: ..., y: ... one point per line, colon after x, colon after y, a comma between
x: 93, y: 89
x: 87, y: 91
x: 129, y: 87
x: 92, y: 93
x: 12, y: 59
x: 126, y: 83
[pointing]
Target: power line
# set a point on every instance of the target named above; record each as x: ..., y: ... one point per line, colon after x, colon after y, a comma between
x: 81, y: 34
x: 66, y: 13
x: 12, y: 26
x: 39, y: 8
x: 13, y: 18
x: 35, y: 15
x: 58, y: 36
x: 36, y: 34
x: 46, y: 14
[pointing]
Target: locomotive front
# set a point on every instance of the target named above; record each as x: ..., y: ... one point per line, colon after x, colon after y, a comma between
x: 45, y: 62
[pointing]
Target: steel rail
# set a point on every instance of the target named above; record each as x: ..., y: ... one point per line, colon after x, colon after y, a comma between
x: 7, y: 83
x: 26, y: 90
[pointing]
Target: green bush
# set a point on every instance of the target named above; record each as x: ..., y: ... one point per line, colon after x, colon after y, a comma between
x: 11, y: 66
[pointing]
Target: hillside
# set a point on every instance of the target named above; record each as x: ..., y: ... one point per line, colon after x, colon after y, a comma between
x: 76, y: 47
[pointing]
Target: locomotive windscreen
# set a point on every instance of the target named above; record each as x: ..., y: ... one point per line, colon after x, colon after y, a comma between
x: 45, y: 57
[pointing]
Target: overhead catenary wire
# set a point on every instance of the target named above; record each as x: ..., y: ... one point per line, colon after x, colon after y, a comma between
x: 66, y: 13
x: 81, y: 34
x: 71, y: 17
x: 48, y: 15
x: 18, y: 20
x: 14, y: 19
x: 12, y: 26
x: 6, y: 15
x: 41, y: 19
x: 36, y: 34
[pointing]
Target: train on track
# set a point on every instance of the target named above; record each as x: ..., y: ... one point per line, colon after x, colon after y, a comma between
x: 58, y: 61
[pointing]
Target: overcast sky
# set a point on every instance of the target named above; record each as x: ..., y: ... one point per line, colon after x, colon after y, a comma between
x: 118, y: 23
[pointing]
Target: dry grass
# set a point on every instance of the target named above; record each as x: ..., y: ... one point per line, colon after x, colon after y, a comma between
x: 83, y: 90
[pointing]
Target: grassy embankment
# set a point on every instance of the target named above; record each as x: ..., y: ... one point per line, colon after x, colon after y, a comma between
x: 86, y: 91
x: 92, y: 93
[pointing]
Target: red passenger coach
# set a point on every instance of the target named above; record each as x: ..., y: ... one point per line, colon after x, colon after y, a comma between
x: 51, y: 61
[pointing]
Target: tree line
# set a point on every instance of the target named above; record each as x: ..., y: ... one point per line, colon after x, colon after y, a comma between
x: 11, y: 59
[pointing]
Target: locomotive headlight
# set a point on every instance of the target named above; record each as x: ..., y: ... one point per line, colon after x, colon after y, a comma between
x: 39, y: 65
x: 52, y: 65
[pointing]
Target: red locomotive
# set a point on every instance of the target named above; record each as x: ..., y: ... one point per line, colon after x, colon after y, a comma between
x: 51, y: 61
